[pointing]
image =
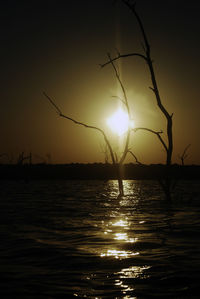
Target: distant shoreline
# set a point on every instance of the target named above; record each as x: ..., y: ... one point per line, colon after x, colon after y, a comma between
x: 97, y: 171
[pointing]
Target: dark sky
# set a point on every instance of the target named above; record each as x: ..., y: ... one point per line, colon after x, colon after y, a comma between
x: 57, y: 46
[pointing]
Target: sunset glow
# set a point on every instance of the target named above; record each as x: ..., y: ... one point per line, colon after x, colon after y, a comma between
x: 119, y: 122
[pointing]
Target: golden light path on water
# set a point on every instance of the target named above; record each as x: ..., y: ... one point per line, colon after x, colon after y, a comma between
x: 120, y: 229
x: 117, y: 236
x: 119, y: 225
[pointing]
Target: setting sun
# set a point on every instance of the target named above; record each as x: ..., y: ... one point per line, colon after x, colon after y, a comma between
x: 119, y: 122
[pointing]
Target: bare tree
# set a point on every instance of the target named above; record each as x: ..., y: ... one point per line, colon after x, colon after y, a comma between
x: 147, y: 58
x: 116, y: 160
x: 22, y: 158
x: 184, y: 154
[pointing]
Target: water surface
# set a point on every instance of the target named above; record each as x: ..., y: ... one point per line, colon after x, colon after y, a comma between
x: 76, y: 239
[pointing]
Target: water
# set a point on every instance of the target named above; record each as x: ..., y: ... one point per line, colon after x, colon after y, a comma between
x: 76, y: 239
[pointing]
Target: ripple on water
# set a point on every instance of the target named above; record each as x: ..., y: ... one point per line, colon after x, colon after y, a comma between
x: 76, y: 238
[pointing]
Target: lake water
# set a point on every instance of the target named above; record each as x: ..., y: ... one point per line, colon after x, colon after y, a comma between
x: 76, y: 239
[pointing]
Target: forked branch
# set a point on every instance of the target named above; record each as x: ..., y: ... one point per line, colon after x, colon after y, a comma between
x: 147, y: 57
x: 184, y: 154
x: 58, y: 110
x: 157, y: 133
x: 119, y: 56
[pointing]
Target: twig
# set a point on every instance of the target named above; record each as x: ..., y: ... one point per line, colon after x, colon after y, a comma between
x: 134, y: 156
x: 119, y: 99
x: 185, y: 150
x: 58, y: 110
x: 123, y: 56
x: 184, y: 155
x: 157, y: 133
x: 52, y: 103
x: 120, y: 83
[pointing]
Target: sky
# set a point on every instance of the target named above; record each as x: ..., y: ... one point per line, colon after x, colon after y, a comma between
x: 57, y: 47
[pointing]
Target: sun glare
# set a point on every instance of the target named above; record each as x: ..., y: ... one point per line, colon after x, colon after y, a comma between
x: 119, y: 122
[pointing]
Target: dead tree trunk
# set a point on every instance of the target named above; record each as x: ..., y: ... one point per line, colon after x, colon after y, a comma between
x: 167, y: 183
x: 169, y: 123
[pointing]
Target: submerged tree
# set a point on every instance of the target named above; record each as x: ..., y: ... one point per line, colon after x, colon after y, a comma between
x: 117, y: 160
x: 22, y: 158
x: 184, y: 155
x: 167, y: 182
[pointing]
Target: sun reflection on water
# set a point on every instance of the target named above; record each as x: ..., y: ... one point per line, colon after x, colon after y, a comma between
x: 134, y: 272
x: 118, y: 230
x: 124, y: 287
x: 124, y: 237
x: 114, y: 238
x: 122, y: 223
x: 118, y: 226
x: 118, y: 254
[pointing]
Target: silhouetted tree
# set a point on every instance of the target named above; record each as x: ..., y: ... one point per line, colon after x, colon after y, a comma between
x: 116, y: 161
x: 166, y: 183
x: 184, y: 154
x: 22, y: 158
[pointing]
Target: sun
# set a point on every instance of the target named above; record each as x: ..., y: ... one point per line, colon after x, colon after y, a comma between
x: 119, y: 122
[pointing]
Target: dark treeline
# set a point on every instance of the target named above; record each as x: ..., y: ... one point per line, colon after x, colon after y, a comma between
x: 97, y: 171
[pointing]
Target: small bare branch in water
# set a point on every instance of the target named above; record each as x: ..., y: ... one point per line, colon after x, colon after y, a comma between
x: 184, y: 154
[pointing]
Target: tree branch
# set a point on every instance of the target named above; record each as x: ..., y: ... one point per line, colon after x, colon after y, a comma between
x: 184, y: 155
x: 169, y: 149
x: 123, y: 56
x: 58, y: 110
x: 185, y: 150
x: 121, y: 84
x: 52, y: 103
x: 123, y: 102
x: 134, y: 156
x: 127, y: 108
x: 157, y: 133
x: 131, y: 6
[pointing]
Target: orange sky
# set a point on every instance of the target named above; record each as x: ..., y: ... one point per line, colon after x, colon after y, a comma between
x: 57, y: 48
